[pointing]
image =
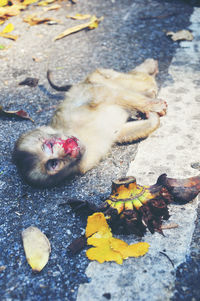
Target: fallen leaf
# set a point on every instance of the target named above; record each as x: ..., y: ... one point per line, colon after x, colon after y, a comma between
x: 5, y: 33
x: 53, y: 7
x: 3, y: 3
x: 34, y: 20
x: 8, y: 36
x: 2, y: 47
x: 29, y: 81
x: 79, y: 17
x: 93, y: 23
x: 106, y: 247
x: 21, y: 114
x: 104, y: 253
x: 8, y: 28
x: 180, y: 35
x: 27, y: 2
x: 10, y: 11
x: 134, y: 250
x: 45, y: 2
x: 37, y: 248
x: 95, y: 223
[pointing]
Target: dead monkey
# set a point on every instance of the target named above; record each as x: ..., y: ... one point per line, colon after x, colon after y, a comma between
x: 95, y: 114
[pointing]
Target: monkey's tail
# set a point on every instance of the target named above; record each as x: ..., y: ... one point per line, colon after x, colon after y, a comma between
x: 58, y: 88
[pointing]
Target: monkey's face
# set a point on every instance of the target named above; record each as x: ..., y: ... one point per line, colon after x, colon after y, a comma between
x: 59, y: 153
x: 46, y: 156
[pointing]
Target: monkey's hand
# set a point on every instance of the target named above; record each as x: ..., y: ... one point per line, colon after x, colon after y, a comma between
x: 81, y: 207
x: 159, y: 106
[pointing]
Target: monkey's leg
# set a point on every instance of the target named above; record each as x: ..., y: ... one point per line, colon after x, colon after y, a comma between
x: 134, y: 130
x: 141, y: 103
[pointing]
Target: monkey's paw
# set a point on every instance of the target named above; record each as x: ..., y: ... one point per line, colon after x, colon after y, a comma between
x: 159, y: 106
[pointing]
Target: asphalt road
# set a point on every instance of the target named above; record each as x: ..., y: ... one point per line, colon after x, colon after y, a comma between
x: 130, y: 32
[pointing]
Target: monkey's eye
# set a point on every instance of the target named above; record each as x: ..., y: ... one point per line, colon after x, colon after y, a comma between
x: 52, y: 164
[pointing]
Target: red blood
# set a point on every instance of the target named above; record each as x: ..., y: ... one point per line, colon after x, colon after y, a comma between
x: 70, y: 146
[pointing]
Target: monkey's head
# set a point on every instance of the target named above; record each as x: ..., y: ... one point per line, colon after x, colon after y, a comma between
x: 46, y: 156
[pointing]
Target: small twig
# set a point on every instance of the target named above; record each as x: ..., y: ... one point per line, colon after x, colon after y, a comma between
x: 167, y: 258
x: 169, y: 226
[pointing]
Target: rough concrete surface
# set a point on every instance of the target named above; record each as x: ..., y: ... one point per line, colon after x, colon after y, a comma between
x: 130, y: 32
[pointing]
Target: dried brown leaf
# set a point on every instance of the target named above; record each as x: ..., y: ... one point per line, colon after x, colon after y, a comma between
x: 21, y: 114
x: 29, y: 81
x: 53, y: 7
x: 79, y: 17
x: 93, y: 23
x: 34, y: 20
x: 9, y: 36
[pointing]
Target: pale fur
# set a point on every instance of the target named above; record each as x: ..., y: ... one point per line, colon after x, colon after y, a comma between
x: 96, y: 111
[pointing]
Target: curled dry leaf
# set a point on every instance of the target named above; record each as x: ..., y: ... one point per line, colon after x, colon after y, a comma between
x: 37, y: 248
x: 10, y: 11
x: 93, y: 23
x: 20, y: 113
x: 53, y: 7
x: 29, y: 81
x: 79, y: 17
x: 34, y: 20
x: 45, y: 2
x: 180, y: 35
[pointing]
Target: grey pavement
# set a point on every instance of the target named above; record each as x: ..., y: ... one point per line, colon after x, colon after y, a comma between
x: 130, y: 32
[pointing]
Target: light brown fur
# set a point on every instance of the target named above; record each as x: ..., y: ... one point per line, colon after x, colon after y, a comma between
x: 97, y: 111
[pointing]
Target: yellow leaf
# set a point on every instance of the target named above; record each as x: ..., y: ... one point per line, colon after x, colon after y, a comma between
x: 27, y: 2
x: 8, y: 28
x: 37, y: 248
x: 134, y: 250
x: 104, y: 253
x: 34, y: 20
x: 45, y: 2
x: 53, y: 7
x: 93, y: 23
x: 10, y: 11
x: 79, y: 17
x: 96, y: 222
x: 108, y: 248
x: 98, y: 241
x: 3, y: 3
x: 8, y: 36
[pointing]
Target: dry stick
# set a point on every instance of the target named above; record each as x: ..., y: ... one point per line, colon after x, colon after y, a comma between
x: 167, y: 258
x: 169, y: 226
